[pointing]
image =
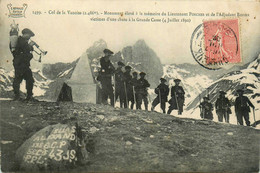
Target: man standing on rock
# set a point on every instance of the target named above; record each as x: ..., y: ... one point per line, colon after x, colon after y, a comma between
x: 119, y: 84
x: 242, y: 109
x: 106, y: 72
x: 177, y: 100
x: 223, y: 107
x: 134, y: 83
x: 141, y: 91
x: 206, y: 109
x: 128, y: 86
x: 21, y: 62
x: 162, y: 92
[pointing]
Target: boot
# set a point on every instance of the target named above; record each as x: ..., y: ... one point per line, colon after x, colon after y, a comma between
x: 17, y: 98
x: 30, y: 98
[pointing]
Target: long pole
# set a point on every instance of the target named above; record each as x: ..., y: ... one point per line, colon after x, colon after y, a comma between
x: 226, y: 118
x: 114, y: 87
x: 176, y: 101
x: 254, y: 116
x: 200, y: 105
x: 126, y: 99
x: 160, y: 98
x: 134, y: 94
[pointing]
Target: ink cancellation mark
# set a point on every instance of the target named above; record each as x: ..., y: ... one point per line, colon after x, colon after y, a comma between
x: 16, y: 11
x: 215, y: 44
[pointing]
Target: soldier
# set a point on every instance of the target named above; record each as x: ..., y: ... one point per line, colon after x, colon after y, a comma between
x: 141, y: 91
x: 106, y: 72
x: 242, y: 109
x: 177, y: 100
x: 119, y: 84
x: 128, y: 86
x: 223, y: 107
x: 21, y: 62
x: 162, y: 91
x: 206, y: 109
x: 134, y: 82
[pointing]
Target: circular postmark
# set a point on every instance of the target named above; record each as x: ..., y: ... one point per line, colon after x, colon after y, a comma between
x: 215, y: 44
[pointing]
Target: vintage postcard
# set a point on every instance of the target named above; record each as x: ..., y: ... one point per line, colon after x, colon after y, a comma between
x: 129, y: 86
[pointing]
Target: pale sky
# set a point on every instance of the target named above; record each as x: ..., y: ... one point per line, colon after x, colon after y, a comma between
x: 66, y: 37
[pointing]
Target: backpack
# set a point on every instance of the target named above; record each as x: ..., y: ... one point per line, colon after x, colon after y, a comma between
x: 13, y: 36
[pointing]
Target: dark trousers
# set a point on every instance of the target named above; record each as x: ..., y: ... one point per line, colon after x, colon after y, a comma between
x: 176, y: 105
x: 243, y: 114
x: 107, y: 92
x: 156, y: 101
x: 223, y: 114
x: 19, y: 75
x: 120, y: 92
x: 142, y: 97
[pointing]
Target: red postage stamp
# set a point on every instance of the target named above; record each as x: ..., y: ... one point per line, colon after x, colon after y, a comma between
x: 221, y: 38
x: 216, y: 43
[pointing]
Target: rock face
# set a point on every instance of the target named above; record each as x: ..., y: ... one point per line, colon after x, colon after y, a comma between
x: 54, y: 148
x: 143, y: 58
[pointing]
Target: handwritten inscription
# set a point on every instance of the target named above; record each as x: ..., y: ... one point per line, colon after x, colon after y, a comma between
x: 53, y: 146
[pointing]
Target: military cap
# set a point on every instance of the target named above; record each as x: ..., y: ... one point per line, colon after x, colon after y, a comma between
x: 222, y: 92
x: 163, y: 80
x: 120, y: 63
x: 142, y: 74
x: 108, y: 51
x: 135, y: 73
x: 128, y: 67
x: 205, y: 98
x: 177, y: 80
x: 240, y: 91
x: 28, y: 31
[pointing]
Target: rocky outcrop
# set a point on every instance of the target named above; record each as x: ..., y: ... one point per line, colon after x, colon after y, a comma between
x: 54, y: 148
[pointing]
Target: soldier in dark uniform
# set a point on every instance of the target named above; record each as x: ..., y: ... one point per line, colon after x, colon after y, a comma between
x: 222, y: 106
x: 106, y: 72
x: 206, y: 109
x: 162, y: 91
x: 134, y: 83
x: 141, y: 91
x: 242, y: 109
x: 128, y: 86
x: 119, y: 84
x: 177, y: 100
x: 21, y: 62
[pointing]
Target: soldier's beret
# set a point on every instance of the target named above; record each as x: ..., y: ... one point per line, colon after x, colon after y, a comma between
x: 135, y: 73
x: 240, y: 91
x: 27, y: 31
x: 108, y: 51
x: 120, y: 63
x: 128, y: 67
x: 163, y: 80
x: 177, y: 80
x: 142, y: 74
x: 222, y: 92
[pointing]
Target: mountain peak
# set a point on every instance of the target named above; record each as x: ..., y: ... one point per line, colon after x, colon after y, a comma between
x: 140, y: 43
x: 255, y: 64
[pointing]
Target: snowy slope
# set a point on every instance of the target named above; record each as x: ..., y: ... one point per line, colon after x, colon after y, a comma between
x: 247, y: 79
x: 193, y: 83
x: 6, y: 80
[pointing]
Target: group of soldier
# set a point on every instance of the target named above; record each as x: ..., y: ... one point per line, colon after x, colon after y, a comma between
x: 223, y: 108
x: 130, y: 89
